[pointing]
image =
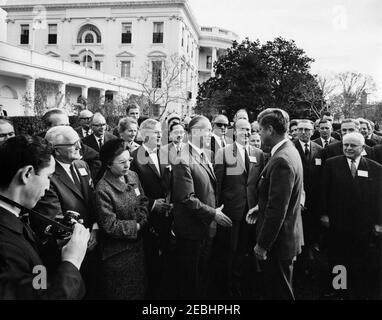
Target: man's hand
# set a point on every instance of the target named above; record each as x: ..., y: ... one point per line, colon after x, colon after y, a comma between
x: 74, y: 251
x: 93, y: 239
x: 377, y: 230
x: 221, y: 218
x: 325, y: 221
x: 162, y: 206
x: 252, y: 215
x: 260, y: 253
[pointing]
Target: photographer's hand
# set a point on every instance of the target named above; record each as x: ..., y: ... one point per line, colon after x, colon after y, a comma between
x: 74, y: 251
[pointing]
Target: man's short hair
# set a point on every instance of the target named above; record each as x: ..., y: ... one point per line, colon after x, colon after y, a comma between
x: 131, y: 106
x: 57, y: 134
x: 219, y: 116
x: 194, y: 122
x: 307, y: 122
x: 126, y: 122
x: 174, y: 124
x: 355, y: 135
x: 324, y: 121
x: 277, y: 118
x: 6, y: 121
x: 326, y: 113
x: 148, y: 124
x: 21, y: 151
x: 349, y: 120
x: 98, y: 115
x: 293, y: 122
x: 46, y: 118
x: 86, y: 114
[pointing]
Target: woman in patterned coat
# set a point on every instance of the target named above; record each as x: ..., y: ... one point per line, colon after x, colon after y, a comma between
x: 122, y: 214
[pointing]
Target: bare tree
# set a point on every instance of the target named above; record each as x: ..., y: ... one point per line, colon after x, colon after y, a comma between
x: 162, y: 82
x: 327, y: 85
x: 352, y: 86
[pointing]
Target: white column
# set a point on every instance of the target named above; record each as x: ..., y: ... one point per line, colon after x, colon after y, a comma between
x: 214, y: 58
x: 61, y: 95
x: 29, y: 96
x: 102, y: 93
x: 84, y: 92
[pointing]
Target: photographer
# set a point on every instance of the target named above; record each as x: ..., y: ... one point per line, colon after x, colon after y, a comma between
x: 26, y: 166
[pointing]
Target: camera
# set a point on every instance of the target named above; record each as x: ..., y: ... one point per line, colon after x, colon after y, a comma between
x: 67, y: 222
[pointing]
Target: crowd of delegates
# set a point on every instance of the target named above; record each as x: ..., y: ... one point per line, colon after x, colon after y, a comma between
x: 192, y: 208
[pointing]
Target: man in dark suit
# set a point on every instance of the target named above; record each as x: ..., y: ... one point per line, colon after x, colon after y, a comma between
x: 311, y: 158
x: 6, y: 130
x: 84, y: 129
x: 99, y: 136
x: 194, y: 188
x: 325, y: 130
x: 146, y: 163
x: 279, y: 225
x: 27, y: 165
x: 377, y: 153
x: 336, y: 149
x: 71, y: 188
x: 352, y: 206
x: 237, y: 169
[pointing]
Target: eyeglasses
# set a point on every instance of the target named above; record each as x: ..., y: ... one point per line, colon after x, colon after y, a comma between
x: 123, y: 162
x: 87, y: 119
x: 220, y: 125
x: 76, y: 144
x: 99, y: 125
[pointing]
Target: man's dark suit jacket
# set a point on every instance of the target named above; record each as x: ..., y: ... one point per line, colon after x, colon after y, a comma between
x: 79, y: 131
x: 377, y: 153
x: 194, y: 195
x: 18, y: 257
x: 215, y: 145
x: 336, y: 149
x: 92, y: 142
x: 353, y: 205
x: 376, y: 138
x: 279, y: 225
x: 154, y: 186
x: 64, y: 195
x: 236, y: 188
x: 319, y: 141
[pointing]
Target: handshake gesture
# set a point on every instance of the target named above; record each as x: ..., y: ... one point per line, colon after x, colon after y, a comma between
x: 221, y: 218
x: 252, y: 215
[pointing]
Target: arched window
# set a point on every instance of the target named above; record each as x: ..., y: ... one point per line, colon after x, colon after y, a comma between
x: 89, y: 38
x: 87, y: 33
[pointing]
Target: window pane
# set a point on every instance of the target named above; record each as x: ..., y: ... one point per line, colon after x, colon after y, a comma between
x: 52, y: 29
x: 125, y: 69
x: 24, y: 35
x: 89, y: 38
x: 126, y: 27
x: 158, y: 27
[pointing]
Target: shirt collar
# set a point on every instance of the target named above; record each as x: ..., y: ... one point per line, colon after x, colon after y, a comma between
x: 357, y: 160
x: 323, y: 140
x: 303, y: 144
x: 148, y: 150
x: 198, y: 150
x: 66, y: 166
x: 277, y: 146
x: 10, y: 208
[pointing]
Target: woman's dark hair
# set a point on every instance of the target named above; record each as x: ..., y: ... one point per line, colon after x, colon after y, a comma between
x: 109, y: 151
x: 21, y: 151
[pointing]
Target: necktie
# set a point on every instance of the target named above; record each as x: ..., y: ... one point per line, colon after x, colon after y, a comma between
x: 100, y: 143
x: 75, y: 178
x: 353, y: 168
x: 325, y: 143
x: 246, y: 156
x: 223, y: 141
x: 306, y: 151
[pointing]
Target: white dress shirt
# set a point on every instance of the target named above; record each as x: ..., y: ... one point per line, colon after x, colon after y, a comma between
x: 153, y: 156
x: 356, y: 162
x: 66, y: 167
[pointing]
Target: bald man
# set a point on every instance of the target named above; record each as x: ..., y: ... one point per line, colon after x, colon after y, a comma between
x: 351, y: 207
x: 71, y: 188
x: 6, y: 130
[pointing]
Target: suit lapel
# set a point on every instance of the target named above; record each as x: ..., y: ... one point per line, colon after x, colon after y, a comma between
x: 197, y: 157
x: 237, y: 155
x: 64, y: 178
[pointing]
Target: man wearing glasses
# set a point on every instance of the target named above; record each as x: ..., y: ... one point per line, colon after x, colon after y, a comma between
x: 84, y: 129
x: 99, y: 136
x: 71, y: 188
x: 219, y: 131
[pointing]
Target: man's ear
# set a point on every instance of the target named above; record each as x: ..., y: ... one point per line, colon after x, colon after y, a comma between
x: 25, y: 173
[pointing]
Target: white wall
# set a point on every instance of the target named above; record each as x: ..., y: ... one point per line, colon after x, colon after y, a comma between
x: 11, y: 88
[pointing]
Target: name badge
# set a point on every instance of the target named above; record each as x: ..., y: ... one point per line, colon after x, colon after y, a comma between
x: 82, y: 172
x: 169, y: 167
x: 318, y: 162
x: 137, y: 193
x: 252, y: 159
x: 362, y: 173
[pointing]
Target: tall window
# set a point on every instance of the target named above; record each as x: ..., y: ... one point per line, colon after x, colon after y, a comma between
x: 126, y: 32
x: 182, y: 36
x: 24, y: 35
x: 89, y: 34
x: 157, y: 74
x: 125, y: 69
x: 89, y: 38
x: 158, y: 32
x: 209, y: 62
x: 88, y: 61
x: 52, y: 36
x: 97, y: 65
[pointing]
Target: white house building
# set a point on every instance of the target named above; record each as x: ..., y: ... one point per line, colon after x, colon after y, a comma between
x: 123, y: 47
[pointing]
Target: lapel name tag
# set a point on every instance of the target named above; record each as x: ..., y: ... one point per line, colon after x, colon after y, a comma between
x: 169, y: 167
x: 137, y: 193
x: 252, y: 159
x: 82, y: 172
x: 362, y: 173
x: 318, y: 162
